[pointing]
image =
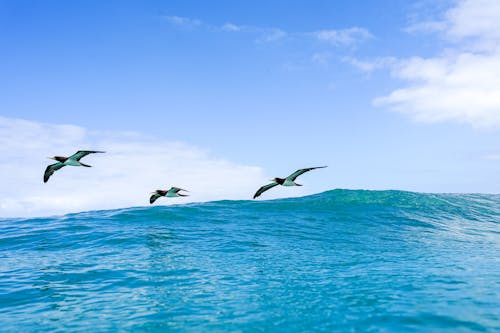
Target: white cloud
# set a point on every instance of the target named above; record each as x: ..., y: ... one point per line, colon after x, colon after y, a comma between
x: 341, y: 37
x: 370, y: 65
x: 321, y: 58
x: 345, y: 37
x: 426, y: 26
x: 183, y: 22
x: 463, y: 83
x: 474, y: 18
x: 265, y: 35
x: 271, y: 35
x: 133, y: 166
x: 231, y: 27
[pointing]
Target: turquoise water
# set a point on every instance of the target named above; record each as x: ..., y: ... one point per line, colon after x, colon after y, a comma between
x: 340, y: 261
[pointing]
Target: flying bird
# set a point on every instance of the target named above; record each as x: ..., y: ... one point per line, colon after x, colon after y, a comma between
x: 171, y: 193
x: 288, y: 181
x: 73, y: 160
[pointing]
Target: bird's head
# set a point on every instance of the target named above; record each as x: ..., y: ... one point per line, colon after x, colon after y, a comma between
x: 59, y: 158
x: 158, y: 191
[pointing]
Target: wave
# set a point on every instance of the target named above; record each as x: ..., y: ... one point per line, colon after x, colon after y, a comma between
x: 436, y: 207
x: 342, y: 260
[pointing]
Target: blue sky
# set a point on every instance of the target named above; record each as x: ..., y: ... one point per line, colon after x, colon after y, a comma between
x: 384, y: 92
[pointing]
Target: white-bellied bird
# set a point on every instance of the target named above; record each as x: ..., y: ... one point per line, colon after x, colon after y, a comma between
x: 73, y: 160
x: 288, y: 181
x: 171, y: 193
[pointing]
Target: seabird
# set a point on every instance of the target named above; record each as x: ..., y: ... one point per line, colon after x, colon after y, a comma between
x: 73, y: 160
x: 288, y: 181
x: 172, y: 193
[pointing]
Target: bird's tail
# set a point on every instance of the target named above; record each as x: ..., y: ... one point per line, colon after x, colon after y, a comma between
x: 182, y: 195
x: 85, y: 165
x: 296, y: 184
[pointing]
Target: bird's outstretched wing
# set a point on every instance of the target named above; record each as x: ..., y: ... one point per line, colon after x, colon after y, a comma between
x: 49, y: 171
x: 177, y: 189
x: 264, y: 189
x: 82, y: 153
x: 154, y: 197
x: 297, y: 173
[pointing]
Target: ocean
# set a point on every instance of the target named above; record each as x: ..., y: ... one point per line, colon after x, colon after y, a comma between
x: 339, y: 261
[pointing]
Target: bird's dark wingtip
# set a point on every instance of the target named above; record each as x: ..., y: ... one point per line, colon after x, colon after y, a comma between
x: 152, y: 199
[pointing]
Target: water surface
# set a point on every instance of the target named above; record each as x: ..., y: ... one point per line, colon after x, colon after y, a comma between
x: 366, y: 261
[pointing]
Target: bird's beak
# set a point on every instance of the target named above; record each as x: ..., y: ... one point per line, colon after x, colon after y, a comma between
x: 51, y: 158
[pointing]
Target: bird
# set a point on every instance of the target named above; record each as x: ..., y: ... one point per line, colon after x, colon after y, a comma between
x: 171, y: 193
x: 288, y: 181
x: 73, y: 160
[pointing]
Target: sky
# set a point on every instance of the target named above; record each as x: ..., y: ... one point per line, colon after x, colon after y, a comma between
x: 218, y: 97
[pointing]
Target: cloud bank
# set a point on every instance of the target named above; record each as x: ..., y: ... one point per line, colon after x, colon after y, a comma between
x: 133, y: 166
x: 462, y: 84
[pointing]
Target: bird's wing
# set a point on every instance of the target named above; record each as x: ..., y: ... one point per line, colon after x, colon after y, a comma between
x: 154, y: 197
x: 49, y: 171
x: 264, y: 189
x: 297, y: 173
x: 82, y: 153
x: 177, y: 189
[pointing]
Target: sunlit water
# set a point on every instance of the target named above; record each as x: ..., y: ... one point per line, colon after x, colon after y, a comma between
x: 340, y: 261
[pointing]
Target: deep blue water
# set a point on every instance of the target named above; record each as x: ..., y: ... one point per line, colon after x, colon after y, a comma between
x: 340, y: 261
